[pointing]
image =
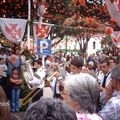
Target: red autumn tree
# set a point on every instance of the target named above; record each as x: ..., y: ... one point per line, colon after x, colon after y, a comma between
x: 60, y: 10
x: 14, y: 8
x: 83, y: 17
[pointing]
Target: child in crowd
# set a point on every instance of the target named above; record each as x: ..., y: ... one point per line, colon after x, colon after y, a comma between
x: 16, y: 81
x: 3, y: 74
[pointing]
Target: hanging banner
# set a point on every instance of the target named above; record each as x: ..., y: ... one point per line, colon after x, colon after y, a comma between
x: 114, y: 9
x: 44, y: 46
x: 13, y: 29
x: 116, y: 38
x: 41, y: 31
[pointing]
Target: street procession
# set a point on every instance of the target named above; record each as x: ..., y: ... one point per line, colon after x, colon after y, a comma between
x: 59, y: 59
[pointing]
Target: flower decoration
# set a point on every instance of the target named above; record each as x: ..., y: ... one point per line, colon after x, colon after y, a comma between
x: 59, y: 18
x: 69, y: 22
x: 105, y: 7
x: 11, y: 8
x: 83, y: 22
x: 108, y: 31
x: 74, y: 1
x: 77, y: 25
x: 82, y: 2
x: 90, y: 21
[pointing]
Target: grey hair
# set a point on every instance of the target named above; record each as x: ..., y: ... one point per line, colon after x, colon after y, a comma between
x: 50, y: 109
x: 83, y: 88
x: 115, y: 73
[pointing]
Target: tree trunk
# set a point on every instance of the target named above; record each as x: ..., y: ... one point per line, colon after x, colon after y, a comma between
x: 83, y: 40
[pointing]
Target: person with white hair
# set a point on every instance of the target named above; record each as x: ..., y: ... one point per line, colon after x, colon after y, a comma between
x: 81, y: 92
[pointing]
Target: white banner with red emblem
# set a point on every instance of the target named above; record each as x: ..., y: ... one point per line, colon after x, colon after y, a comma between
x: 13, y: 29
x: 116, y: 38
x: 114, y: 9
x: 41, y: 30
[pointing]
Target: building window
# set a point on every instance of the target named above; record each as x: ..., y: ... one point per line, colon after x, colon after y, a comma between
x: 94, y: 45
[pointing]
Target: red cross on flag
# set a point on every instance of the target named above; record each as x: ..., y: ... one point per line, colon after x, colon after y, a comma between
x: 118, y: 4
x: 13, y: 29
x: 41, y: 31
x: 116, y: 38
x: 114, y: 9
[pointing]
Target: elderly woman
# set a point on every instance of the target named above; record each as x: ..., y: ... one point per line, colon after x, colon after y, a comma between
x: 81, y: 92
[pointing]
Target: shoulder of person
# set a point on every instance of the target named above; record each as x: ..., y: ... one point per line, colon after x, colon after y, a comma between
x: 111, y: 109
x: 14, y: 117
x: 87, y: 116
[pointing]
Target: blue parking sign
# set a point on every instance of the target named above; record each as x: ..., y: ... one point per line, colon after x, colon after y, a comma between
x: 44, y: 46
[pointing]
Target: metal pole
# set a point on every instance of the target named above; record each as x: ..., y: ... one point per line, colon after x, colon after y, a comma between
x: 66, y: 45
x: 28, y: 29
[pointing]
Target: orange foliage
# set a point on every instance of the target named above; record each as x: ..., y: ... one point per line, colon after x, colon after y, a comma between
x: 69, y: 21
x: 108, y: 31
x: 105, y: 8
x: 82, y: 2
x: 90, y: 21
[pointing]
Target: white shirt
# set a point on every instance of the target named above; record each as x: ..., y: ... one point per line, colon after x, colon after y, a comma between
x: 4, y: 72
x: 103, y: 93
x: 101, y: 78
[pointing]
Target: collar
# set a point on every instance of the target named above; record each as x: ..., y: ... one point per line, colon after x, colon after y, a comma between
x: 108, y: 73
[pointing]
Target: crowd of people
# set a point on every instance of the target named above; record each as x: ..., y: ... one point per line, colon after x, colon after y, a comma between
x: 84, y: 88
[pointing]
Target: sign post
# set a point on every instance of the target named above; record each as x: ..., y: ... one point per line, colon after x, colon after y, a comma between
x: 43, y: 47
x: 28, y: 27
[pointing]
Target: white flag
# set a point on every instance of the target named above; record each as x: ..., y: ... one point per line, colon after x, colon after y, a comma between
x: 13, y: 29
x: 114, y: 9
x: 41, y: 31
x: 116, y: 38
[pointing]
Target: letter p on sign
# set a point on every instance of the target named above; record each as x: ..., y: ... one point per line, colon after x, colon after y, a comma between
x: 43, y: 46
